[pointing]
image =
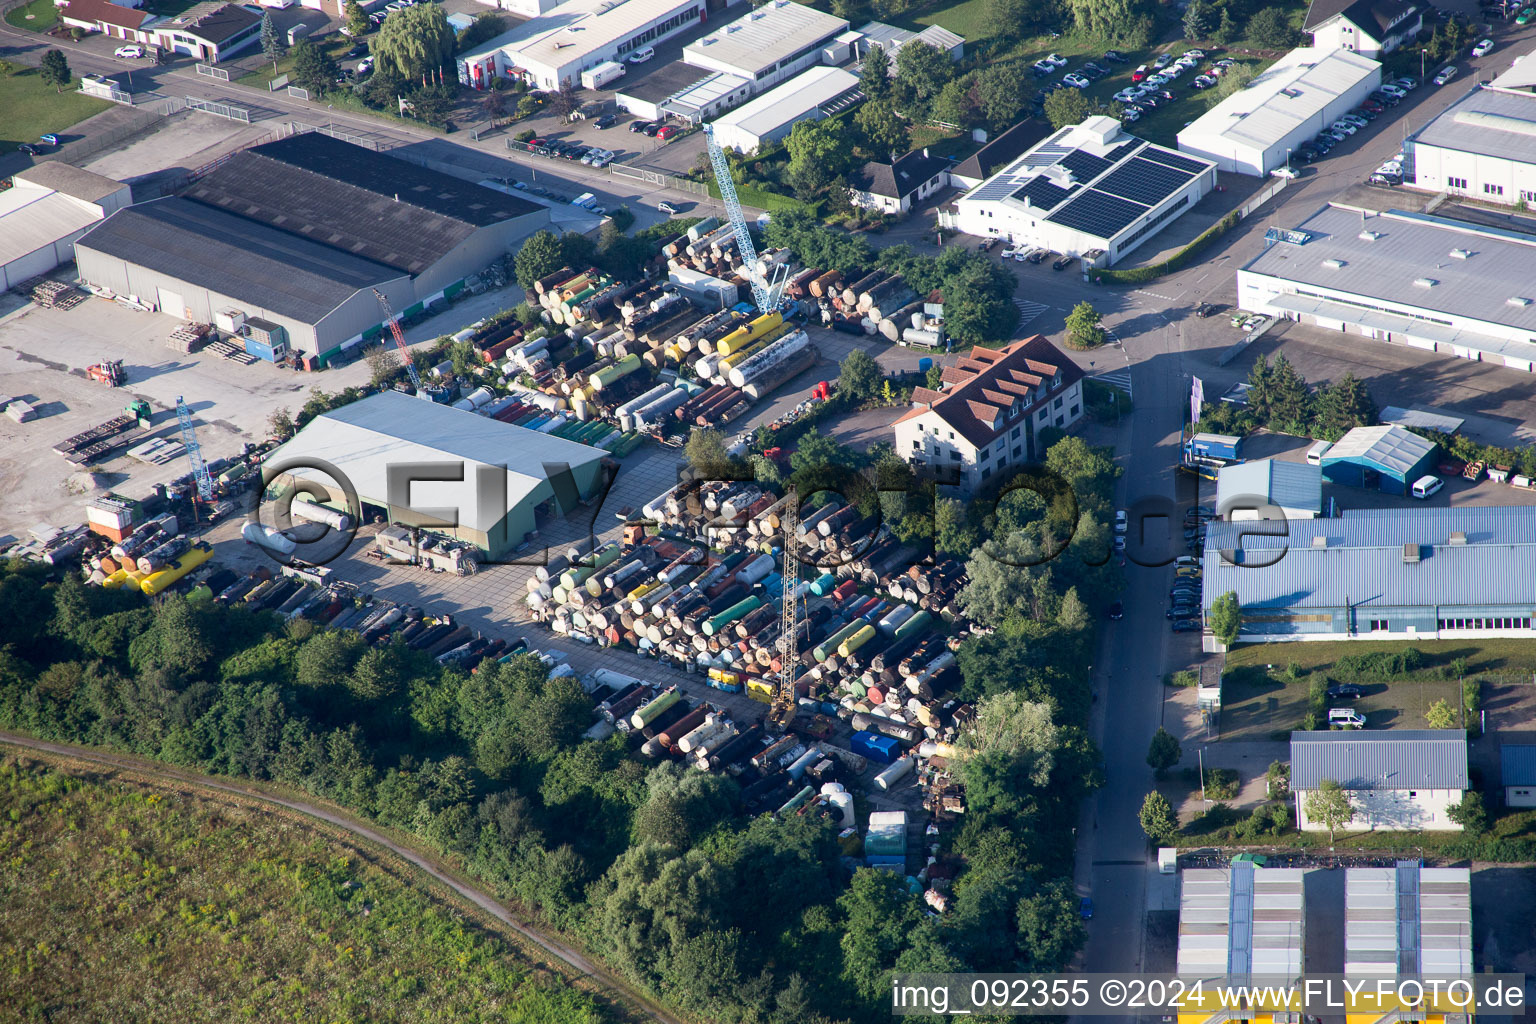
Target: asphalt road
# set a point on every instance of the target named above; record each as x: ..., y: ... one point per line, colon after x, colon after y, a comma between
x: 569, y: 956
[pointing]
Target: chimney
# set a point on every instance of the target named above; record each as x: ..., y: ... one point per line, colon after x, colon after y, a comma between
x: 1458, y: 539
x: 1410, y: 553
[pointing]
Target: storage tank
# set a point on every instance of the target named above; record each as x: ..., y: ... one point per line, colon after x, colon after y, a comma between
x: 265, y: 536
x: 606, y: 376
x: 157, y: 582
x: 766, y: 360
x: 648, y: 713
x: 315, y: 513
x: 716, y: 623
x: 749, y: 332
x: 899, y: 770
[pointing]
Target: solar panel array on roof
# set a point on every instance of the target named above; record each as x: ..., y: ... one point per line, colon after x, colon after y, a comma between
x: 1044, y: 193
x: 1172, y: 159
x: 1084, y: 165
x: 997, y: 188
x: 1122, y: 151
x: 1098, y: 213
x: 1144, y: 181
x: 1049, y: 152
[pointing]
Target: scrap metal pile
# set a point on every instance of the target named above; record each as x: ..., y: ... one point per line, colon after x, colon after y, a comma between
x: 877, y: 302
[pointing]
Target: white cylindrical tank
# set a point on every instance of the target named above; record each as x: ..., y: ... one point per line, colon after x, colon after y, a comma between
x: 265, y: 536
x: 313, y: 513
x: 781, y: 350
x: 895, y: 773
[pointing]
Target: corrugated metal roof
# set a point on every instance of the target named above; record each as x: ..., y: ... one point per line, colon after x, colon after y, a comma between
x: 1424, y: 419
x: 280, y: 272
x: 797, y: 98
x: 1291, y: 91
x: 1240, y: 920
x: 1286, y: 484
x: 1360, y: 563
x: 1407, y: 919
x: 1388, y: 447
x: 1517, y: 763
x: 763, y: 37
x: 1400, y: 759
x: 1486, y: 121
x: 364, y: 438
x: 31, y: 218
x: 1384, y: 254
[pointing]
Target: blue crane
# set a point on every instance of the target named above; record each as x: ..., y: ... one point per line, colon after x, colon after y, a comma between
x: 194, y: 450
x: 752, y: 266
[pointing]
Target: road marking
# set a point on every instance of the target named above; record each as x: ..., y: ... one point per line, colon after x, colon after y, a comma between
x: 1155, y: 295
x: 1117, y: 379
x: 1029, y: 311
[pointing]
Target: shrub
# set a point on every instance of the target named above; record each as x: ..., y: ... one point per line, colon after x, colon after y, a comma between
x: 1178, y: 261
x: 1277, y: 780
x: 1222, y: 784
x: 1379, y: 666
x: 1294, y: 671
x: 1183, y: 678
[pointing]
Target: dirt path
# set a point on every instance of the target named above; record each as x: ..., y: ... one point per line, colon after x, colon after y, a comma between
x: 566, y: 954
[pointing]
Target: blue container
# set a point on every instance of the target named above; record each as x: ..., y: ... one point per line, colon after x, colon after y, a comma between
x: 876, y: 746
x: 726, y: 687
x: 924, y: 364
x: 828, y: 708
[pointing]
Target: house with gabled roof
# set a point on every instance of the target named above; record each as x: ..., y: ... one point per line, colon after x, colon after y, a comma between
x: 1368, y: 27
x: 988, y: 412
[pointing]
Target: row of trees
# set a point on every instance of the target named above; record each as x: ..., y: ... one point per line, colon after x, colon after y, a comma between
x: 1280, y: 398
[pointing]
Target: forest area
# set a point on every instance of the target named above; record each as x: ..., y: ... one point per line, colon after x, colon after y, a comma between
x: 650, y: 866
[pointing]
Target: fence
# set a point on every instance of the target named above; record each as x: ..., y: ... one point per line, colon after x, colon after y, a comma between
x: 277, y: 83
x: 300, y: 127
x: 97, y: 142
x: 219, y: 109
x: 697, y: 188
x: 1265, y: 195
x: 105, y: 89
x: 298, y: 91
x: 209, y: 71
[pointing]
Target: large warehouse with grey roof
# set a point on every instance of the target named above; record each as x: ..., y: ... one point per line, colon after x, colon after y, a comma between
x: 1406, y: 278
x: 299, y: 232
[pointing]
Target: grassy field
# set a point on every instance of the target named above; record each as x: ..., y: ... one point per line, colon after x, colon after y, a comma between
x: 28, y: 108
x: 38, y: 15
x: 124, y: 901
x: 1491, y: 655
x: 1510, y: 836
x: 264, y: 75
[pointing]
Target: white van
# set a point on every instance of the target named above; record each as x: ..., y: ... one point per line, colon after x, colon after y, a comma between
x: 1345, y: 718
x: 1424, y: 486
x: 1317, y: 451
x: 641, y: 56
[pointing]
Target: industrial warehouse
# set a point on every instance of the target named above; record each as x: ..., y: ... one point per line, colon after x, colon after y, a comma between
x: 417, y: 463
x: 771, y: 44
x: 300, y: 232
x: 816, y: 94
x: 1255, y: 130
x: 1379, y: 574
x: 1091, y: 188
x: 1405, y: 278
x: 1483, y: 146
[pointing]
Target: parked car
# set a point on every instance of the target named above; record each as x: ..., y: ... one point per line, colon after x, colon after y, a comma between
x: 365, y: 67
x: 1077, y: 81
x: 1037, y: 256
x: 360, y: 50
x: 1117, y: 611
x: 1128, y: 95
x: 1162, y: 60
x: 1062, y: 264
x: 1121, y: 520
x: 1427, y: 485
x: 641, y: 56
x: 1343, y: 127
x: 1393, y: 90
x: 1185, y: 610
x: 1140, y: 73
x: 666, y: 208
x: 667, y: 131
x: 1203, y: 82
x: 1345, y: 691
x: 1204, y: 310
x: 1254, y: 323
x: 1131, y: 114
x: 1406, y: 82
x: 1055, y: 60
x: 1446, y: 74
x: 1114, y: 56
x: 1239, y: 317
x: 1524, y: 18
x: 1044, y: 67
x: 1285, y: 172
x: 129, y: 52
x: 652, y: 130
x: 639, y: 126
x: 1483, y: 48
x: 1085, y: 908
x: 1186, y: 626
x: 27, y: 148
x: 606, y: 121
x: 986, y: 245
x: 1196, y: 54
x: 1345, y: 718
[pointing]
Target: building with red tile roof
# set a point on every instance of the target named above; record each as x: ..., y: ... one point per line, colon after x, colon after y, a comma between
x: 989, y: 410
x: 108, y: 18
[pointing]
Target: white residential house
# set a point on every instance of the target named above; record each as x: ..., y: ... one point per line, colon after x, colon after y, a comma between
x: 989, y: 413
x: 1399, y: 781
x: 1369, y: 27
x: 898, y: 186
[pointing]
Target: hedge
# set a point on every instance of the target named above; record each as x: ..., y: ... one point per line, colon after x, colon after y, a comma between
x: 1178, y: 261
x: 762, y: 199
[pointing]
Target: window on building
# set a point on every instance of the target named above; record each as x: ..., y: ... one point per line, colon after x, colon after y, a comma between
x: 1492, y: 190
x: 1056, y: 404
x: 1381, y: 625
x: 951, y: 435
x: 1044, y: 415
x: 1413, y: 794
x: 1061, y: 421
x: 1073, y: 411
x: 1015, y: 432
x: 1456, y: 183
x: 954, y: 456
x: 916, y: 443
x: 986, y: 453
x: 1018, y: 451
x: 1527, y: 196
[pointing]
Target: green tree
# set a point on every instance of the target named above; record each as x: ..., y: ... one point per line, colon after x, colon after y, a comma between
x: 681, y: 806
x: 1290, y: 399
x: 1225, y: 34
x: 1271, y: 27
x: 1441, y: 715
x: 1470, y: 813
x: 1164, y: 751
x: 956, y: 103
x: 357, y: 19
x: 1226, y: 618
x: 818, y: 152
x: 1199, y: 20
x: 1085, y: 326
x: 875, y: 76
x: 313, y: 68
x: 1010, y: 19
x: 1067, y: 107
x: 539, y: 256
x: 859, y: 375
x: 271, y: 43
x: 1277, y: 780
x: 487, y: 26
x: 54, y: 70
x: 1157, y: 818
x: 921, y: 71
x: 1238, y: 76
x: 414, y: 43
x: 1329, y: 804
x: 1073, y: 615
x: 879, y: 917
x: 884, y: 131
x: 1000, y: 91
x: 953, y: 532
x: 1109, y: 19
x: 1342, y: 406
x: 1050, y: 927
x: 706, y: 455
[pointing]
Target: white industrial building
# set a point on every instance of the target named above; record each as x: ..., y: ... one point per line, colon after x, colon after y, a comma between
x: 554, y: 48
x: 523, y: 8
x: 816, y: 94
x: 1089, y: 187
x: 984, y: 419
x: 424, y: 464
x: 682, y: 91
x: 1408, y: 920
x: 1482, y: 146
x: 891, y: 39
x: 1369, y: 27
x: 1241, y: 923
x: 770, y: 44
x: 1255, y: 130
x: 1269, y: 489
x: 1398, y: 780
x: 1404, y: 278
x: 47, y: 208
